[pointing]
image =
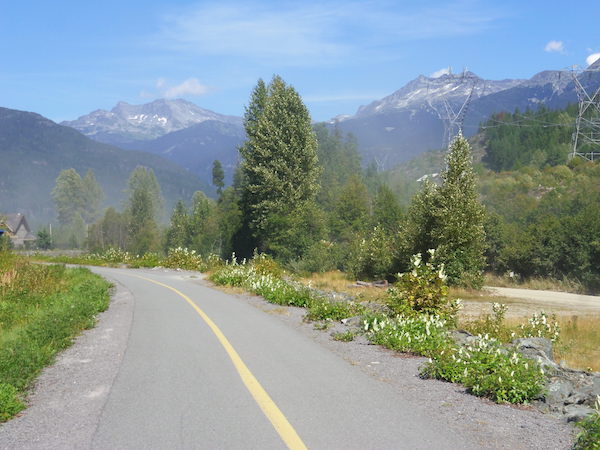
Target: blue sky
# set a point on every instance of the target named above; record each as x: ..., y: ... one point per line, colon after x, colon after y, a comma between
x: 64, y: 59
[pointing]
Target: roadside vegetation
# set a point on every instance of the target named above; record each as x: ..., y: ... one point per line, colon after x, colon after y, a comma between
x: 42, y: 308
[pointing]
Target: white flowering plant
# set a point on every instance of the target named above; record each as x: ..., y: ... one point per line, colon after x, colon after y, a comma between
x: 490, y: 370
x: 423, y: 290
x: 419, y: 334
x: 183, y: 258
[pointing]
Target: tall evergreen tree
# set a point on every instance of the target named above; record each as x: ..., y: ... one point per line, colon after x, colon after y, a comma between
x: 144, y: 206
x: 450, y: 218
x: 460, y: 220
x: 279, y: 161
x: 218, y: 176
x: 179, y: 231
x: 143, y: 179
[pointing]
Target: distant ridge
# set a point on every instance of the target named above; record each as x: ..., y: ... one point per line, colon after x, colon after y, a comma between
x: 34, y: 150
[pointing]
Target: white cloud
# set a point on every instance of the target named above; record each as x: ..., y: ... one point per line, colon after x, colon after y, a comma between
x: 439, y: 73
x: 304, y: 33
x: 555, y: 46
x: 189, y: 87
x: 592, y: 58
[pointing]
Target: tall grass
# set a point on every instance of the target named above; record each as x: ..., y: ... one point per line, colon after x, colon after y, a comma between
x: 42, y: 308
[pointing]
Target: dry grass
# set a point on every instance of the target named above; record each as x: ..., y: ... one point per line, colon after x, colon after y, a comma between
x: 543, y: 284
x: 336, y: 281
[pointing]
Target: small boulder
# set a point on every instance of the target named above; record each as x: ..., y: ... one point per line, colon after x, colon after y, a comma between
x: 575, y: 413
x: 558, y: 392
x: 538, y: 349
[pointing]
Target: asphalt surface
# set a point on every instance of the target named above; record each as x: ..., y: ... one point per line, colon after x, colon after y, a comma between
x: 153, y: 374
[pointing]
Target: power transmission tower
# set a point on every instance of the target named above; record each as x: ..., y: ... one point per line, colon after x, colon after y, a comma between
x: 454, y: 118
x: 586, y: 137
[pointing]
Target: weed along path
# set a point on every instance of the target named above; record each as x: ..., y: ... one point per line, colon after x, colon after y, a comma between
x: 195, y: 367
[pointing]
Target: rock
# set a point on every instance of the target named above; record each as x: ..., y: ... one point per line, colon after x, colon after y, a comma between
x: 538, y: 349
x: 578, y: 396
x: 558, y: 391
x: 575, y: 413
x: 596, y: 385
x: 462, y: 337
x: 356, y: 322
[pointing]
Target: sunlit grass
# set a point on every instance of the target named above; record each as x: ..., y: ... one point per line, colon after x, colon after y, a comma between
x: 337, y: 281
x: 543, y: 284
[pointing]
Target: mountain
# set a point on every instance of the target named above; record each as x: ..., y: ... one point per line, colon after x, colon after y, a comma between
x: 197, y: 146
x: 34, y: 150
x: 412, y: 120
x: 126, y: 124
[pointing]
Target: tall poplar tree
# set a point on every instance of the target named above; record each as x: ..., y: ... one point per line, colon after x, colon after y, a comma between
x: 279, y: 164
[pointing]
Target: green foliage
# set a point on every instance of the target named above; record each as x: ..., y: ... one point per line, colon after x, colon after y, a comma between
x: 386, y: 210
x: 182, y: 258
x: 143, y: 208
x: 44, y: 240
x: 420, y: 334
x: 323, y: 309
x: 10, y: 403
x: 487, y: 369
x: 41, y: 309
x: 545, y: 138
x: 218, y: 176
x: 589, y: 436
x: 423, y: 290
x: 178, y: 232
x: 339, y: 159
x: 112, y: 231
x: 351, y: 212
x: 450, y: 219
x: 546, y: 223
x: 346, y: 336
x: 77, y: 199
x: 68, y: 195
x: 371, y: 257
x: 279, y: 160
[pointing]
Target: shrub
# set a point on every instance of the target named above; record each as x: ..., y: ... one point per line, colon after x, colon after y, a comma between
x: 487, y: 369
x: 182, y: 258
x: 418, y: 334
x: 373, y: 256
x: 423, y: 290
x: 323, y: 309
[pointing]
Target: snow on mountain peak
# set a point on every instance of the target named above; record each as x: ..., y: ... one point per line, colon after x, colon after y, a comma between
x: 146, y: 121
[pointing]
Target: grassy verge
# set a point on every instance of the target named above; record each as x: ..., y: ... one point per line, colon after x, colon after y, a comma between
x: 42, y: 308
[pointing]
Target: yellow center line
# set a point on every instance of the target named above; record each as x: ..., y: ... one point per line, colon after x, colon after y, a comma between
x: 267, y: 405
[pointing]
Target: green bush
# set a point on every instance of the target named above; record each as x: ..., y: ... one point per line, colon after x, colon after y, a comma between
x: 422, y: 290
x: 323, y: 309
x: 182, y: 258
x: 486, y: 369
x: 418, y: 334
